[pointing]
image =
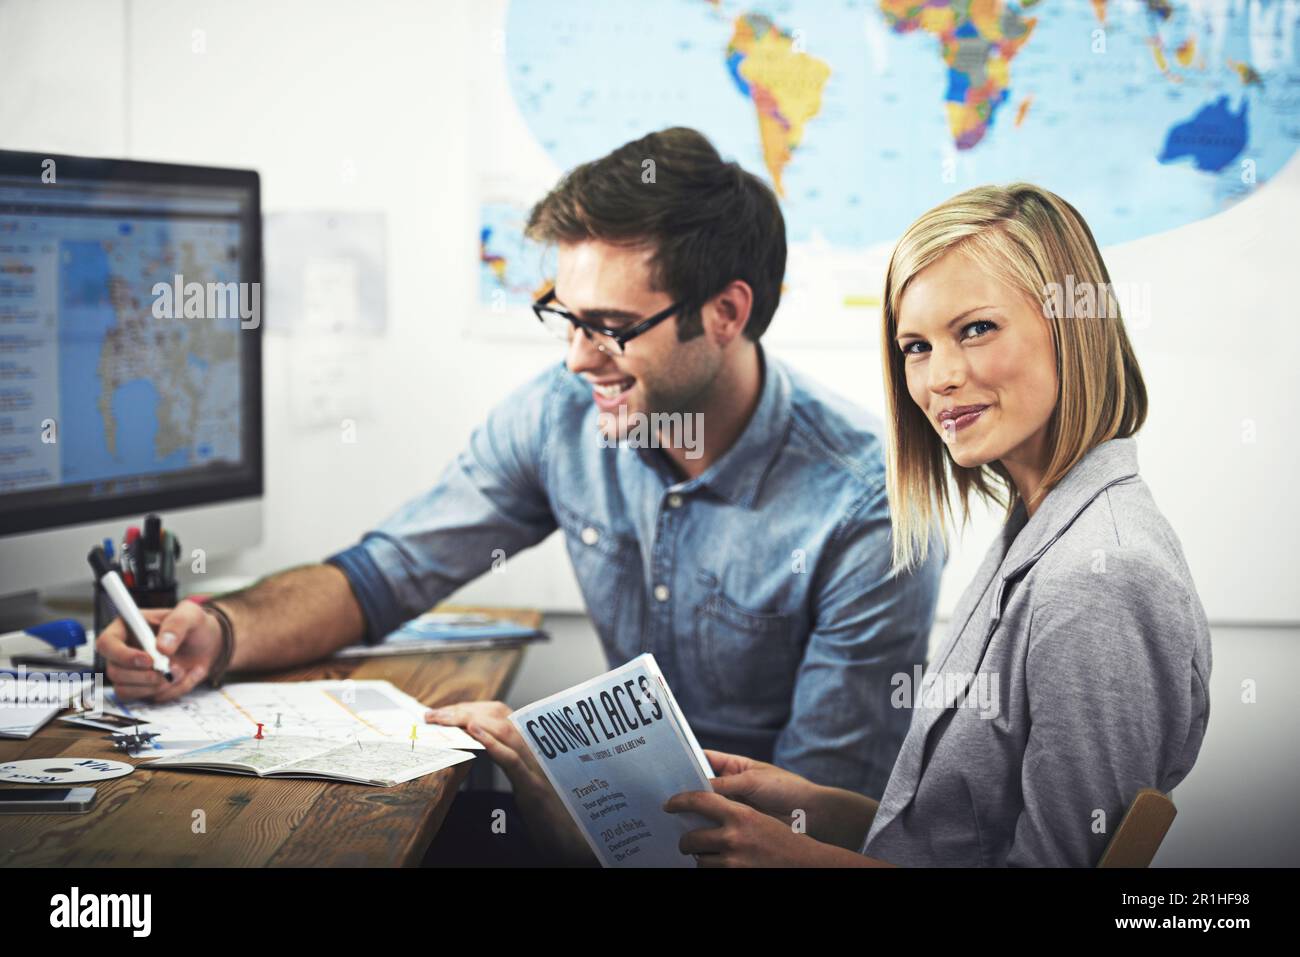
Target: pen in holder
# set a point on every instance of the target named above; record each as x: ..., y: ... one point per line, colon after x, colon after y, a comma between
x: 148, y: 563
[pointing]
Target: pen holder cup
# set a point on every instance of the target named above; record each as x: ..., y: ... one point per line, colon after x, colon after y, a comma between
x: 106, y: 611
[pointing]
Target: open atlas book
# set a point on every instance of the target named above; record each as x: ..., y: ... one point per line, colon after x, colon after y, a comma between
x: 381, y: 763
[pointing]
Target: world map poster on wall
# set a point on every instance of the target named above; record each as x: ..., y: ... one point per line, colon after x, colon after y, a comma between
x: 861, y: 114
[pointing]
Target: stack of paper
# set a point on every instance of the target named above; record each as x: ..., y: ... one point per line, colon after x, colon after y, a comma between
x: 26, y: 706
x: 23, y: 721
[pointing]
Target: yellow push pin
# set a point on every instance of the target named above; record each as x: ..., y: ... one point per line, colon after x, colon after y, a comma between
x: 413, y: 727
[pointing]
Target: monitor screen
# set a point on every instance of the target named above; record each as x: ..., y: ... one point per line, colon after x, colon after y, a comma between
x: 130, y: 338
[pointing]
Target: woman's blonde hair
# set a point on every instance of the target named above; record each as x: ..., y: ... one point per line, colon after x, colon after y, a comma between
x: 1036, y: 243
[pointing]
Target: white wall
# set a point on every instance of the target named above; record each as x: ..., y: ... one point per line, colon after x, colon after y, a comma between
x: 371, y: 107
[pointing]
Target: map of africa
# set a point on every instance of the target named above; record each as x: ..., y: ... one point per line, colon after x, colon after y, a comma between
x: 862, y: 114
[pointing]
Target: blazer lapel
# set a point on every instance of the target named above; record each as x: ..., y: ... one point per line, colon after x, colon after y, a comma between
x: 926, y: 700
x: 1021, y: 543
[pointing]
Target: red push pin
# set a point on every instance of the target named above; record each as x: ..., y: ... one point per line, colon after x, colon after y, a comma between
x: 258, y: 736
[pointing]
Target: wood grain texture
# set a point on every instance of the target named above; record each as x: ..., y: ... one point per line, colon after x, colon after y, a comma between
x: 147, y: 818
x: 1138, y: 836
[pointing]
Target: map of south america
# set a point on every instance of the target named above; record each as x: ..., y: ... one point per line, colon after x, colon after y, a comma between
x: 784, y: 83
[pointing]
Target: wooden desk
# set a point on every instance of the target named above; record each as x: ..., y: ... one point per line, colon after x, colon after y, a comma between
x: 145, y: 819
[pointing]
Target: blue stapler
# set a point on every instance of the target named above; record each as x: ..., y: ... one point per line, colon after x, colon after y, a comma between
x: 52, y: 645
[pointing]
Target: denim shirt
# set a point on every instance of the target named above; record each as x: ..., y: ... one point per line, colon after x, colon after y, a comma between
x: 762, y: 586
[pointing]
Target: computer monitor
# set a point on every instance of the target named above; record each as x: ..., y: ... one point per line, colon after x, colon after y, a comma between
x: 130, y: 358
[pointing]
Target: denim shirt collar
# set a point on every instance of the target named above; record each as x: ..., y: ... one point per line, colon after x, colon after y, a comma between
x: 1103, y: 466
x: 737, y: 476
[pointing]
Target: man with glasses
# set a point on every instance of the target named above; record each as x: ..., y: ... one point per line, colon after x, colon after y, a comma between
x: 753, y: 561
x: 561, y: 323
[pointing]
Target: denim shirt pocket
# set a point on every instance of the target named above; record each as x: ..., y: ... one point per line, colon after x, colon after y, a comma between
x: 749, y: 658
x: 602, y: 562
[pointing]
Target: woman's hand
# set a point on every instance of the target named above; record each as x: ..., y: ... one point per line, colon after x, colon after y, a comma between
x: 745, y: 837
x: 830, y: 815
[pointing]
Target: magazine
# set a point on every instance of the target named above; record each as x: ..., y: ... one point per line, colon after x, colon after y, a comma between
x: 615, y: 748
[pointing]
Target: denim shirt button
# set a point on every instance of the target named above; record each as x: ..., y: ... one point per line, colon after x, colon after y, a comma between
x: 590, y: 536
x: 674, y: 501
x: 661, y: 592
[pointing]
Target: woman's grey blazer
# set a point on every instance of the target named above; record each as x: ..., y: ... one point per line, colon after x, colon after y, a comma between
x: 1076, y: 673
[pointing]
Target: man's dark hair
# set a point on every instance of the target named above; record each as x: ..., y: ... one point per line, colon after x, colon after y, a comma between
x: 709, y: 222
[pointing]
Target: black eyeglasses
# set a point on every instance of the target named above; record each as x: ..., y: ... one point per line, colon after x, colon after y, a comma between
x: 561, y: 323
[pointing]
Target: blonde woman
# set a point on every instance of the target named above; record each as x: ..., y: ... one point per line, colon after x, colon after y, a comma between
x: 1077, y: 668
